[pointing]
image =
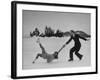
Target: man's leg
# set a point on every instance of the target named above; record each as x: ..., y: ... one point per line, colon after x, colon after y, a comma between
x: 71, y: 54
x: 78, y: 55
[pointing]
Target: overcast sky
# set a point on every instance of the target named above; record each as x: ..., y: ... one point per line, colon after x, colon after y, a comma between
x: 57, y: 20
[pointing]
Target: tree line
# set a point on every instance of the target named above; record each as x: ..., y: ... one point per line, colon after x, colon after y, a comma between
x: 48, y: 32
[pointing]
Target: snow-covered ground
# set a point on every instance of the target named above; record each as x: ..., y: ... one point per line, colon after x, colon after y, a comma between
x: 30, y: 49
x: 64, y: 21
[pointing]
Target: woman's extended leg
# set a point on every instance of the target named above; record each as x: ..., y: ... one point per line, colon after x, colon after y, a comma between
x: 38, y: 55
x: 41, y: 46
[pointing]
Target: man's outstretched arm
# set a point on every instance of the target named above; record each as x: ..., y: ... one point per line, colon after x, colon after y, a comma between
x: 69, y: 40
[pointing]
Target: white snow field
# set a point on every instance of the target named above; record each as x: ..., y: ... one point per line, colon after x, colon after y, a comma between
x: 30, y: 49
x: 64, y: 21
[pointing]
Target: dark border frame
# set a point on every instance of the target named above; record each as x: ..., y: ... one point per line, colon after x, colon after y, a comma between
x: 14, y: 38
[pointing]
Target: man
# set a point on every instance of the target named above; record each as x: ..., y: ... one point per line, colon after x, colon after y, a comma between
x: 77, y: 45
x: 45, y: 55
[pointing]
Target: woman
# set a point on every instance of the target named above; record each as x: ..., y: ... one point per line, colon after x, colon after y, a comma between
x: 45, y: 55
